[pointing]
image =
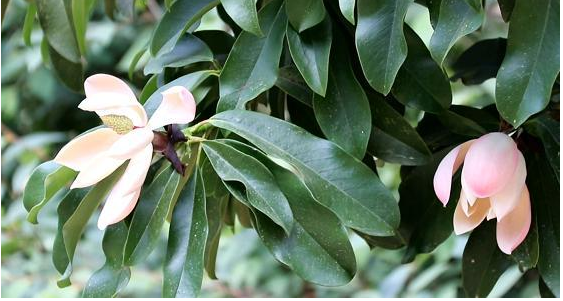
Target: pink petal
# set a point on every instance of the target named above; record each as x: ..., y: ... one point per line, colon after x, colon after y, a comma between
x: 464, y: 223
x: 108, y: 103
x: 130, y: 144
x: 124, y: 195
x: 490, y: 164
x: 96, y: 170
x: 80, y: 151
x: 446, y: 169
x: 514, y: 227
x: 105, y: 83
x: 505, y: 200
x: 469, y: 195
x: 177, y: 106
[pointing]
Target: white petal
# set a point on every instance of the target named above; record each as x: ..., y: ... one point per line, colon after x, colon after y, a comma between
x: 80, y: 151
x: 128, y: 145
x: 97, y: 169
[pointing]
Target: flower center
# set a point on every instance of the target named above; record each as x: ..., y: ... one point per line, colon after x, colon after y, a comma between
x: 119, y: 123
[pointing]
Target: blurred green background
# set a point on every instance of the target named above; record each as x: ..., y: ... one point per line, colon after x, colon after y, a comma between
x: 39, y: 115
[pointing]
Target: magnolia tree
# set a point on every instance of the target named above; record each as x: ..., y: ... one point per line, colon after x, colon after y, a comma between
x: 282, y: 120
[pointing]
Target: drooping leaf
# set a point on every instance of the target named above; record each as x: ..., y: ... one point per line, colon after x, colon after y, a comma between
x: 380, y: 42
x: 344, y: 113
x: 70, y: 73
x: 244, y: 14
x: 479, y: 62
x: 310, y: 51
x: 188, y: 50
x: 28, y: 22
x: 392, y: 138
x: 548, y: 130
x: 337, y: 180
x: 184, y: 262
x: 483, y: 262
x: 291, y: 82
x: 347, y: 8
x: 304, y: 14
x: 262, y: 192
x: 177, y: 20
x: 74, y: 211
x: 58, y: 28
x: 149, y: 216
x: 530, y: 66
x: 80, y: 16
x: 113, y: 276
x: 420, y: 82
x: 44, y: 182
x: 456, y: 19
x: 252, y: 65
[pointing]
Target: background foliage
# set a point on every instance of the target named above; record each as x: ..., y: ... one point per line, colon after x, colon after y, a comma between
x: 335, y: 64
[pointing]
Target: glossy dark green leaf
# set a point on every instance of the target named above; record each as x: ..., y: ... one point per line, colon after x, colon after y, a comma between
x: 304, y: 14
x: 74, y: 211
x: 44, y: 182
x: 460, y: 124
x: 337, y: 180
x: 506, y: 8
x: 544, y: 196
x: 291, y: 82
x: 184, y: 262
x: 483, y: 262
x: 548, y: 130
x: 149, y: 216
x: 112, y: 277
x: 344, y: 113
x: 456, y: 19
x: 148, y: 90
x: 392, y: 138
x: 218, y: 41
x: 252, y: 66
x: 434, y: 11
x: 80, y: 17
x: 133, y: 65
x: 177, y: 20
x: 70, y: 73
x: 425, y: 223
x: 244, y: 14
x: 188, y: 50
x: 347, y: 8
x: 58, y: 28
x: 190, y: 81
x: 310, y: 51
x: 527, y: 253
x: 420, y: 82
x: 262, y: 192
x: 479, y: 62
x: 380, y: 42
x: 545, y: 292
x: 317, y: 248
x: 216, y: 201
x: 28, y: 22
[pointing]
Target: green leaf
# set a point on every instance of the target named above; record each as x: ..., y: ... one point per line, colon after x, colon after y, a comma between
x: 347, y: 8
x: 425, y: 223
x: 252, y: 65
x: 544, y: 195
x: 244, y: 14
x: 148, y: 90
x: 177, y: 20
x: 216, y: 201
x: 506, y: 8
x: 262, y: 192
x: 310, y: 51
x: 58, y: 29
x: 74, y: 211
x: 149, y: 216
x: 109, y: 280
x: 183, y: 265
x: 291, y: 82
x: 70, y: 73
x: 80, y: 17
x: 527, y: 253
x: 479, y: 62
x: 28, y: 22
x: 44, y: 182
x: 456, y: 19
x: 392, y: 138
x: 317, y: 248
x: 460, y: 124
x: 304, y: 14
x: 344, y: 113
x: 188, y: 50
x: 483, y: 262
x: 337, y: 180
x: 380, y: 42
x: 545, y: 292
x: 190, y: 81
x: 420, y: 82
x: 548, y: 130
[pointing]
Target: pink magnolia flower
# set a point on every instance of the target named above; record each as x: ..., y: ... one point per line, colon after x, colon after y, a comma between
x: 493, y: 186
x: 128, y: 136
